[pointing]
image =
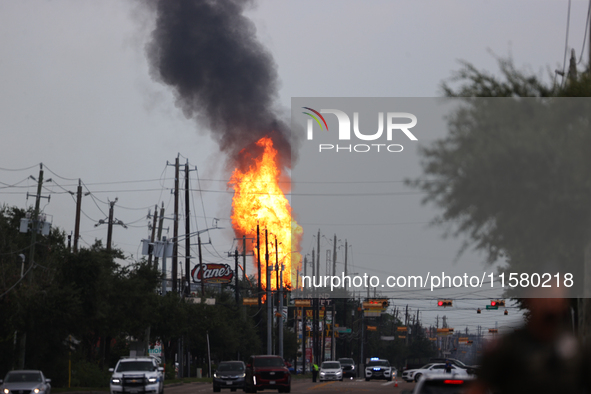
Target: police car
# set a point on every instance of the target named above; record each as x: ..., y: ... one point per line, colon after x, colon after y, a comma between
x: 378, y: 368
x: 136, y: 375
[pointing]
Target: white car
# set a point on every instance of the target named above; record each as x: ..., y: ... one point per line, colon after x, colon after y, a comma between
x: 436, y: 369
x: 331, y: 370
x: 378, y: 368
x: 443, y: 385
x: 135, y: 375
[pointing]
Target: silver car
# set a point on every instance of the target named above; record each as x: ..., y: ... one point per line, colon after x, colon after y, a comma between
x: 25, y: 382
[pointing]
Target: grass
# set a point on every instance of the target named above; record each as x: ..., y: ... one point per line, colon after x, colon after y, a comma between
x: 106, y: 389
x: 188, y: 380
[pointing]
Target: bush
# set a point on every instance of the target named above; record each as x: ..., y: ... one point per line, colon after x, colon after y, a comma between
x: 88, y: 374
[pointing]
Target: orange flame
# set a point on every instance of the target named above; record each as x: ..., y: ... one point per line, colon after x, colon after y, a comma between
x: 258, y: 199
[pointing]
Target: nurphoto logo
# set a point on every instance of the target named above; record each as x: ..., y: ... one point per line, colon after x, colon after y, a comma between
x: 393, y: 126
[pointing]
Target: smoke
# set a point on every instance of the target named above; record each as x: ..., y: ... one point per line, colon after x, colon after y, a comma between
x: 222, y: 77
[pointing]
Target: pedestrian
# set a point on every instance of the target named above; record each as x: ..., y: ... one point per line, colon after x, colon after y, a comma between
x: 447, y: 366
x: 314, y: 372
x: 542, y: 357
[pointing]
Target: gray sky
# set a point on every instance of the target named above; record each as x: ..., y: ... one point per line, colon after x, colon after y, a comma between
x: 75, y: 93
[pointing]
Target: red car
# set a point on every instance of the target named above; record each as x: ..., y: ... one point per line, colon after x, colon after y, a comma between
x: 267, y: 372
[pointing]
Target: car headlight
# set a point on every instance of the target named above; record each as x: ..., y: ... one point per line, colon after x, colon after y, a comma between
x: 322, y: 373
x: 115, y: 380
x: 36, y: 391
x: 352, y: 367
x: 152, y: 380
x: 215, y: 375
x: 6, y: 391
x: 242, y: 376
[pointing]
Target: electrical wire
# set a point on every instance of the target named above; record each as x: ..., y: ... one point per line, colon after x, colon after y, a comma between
x: 585, y: 35
x: 59, y: 176
x: 566, y: 44
x: 15, y: 185
x: 19, y: 169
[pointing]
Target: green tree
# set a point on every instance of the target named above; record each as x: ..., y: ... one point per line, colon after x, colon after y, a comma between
x: 514, y: 174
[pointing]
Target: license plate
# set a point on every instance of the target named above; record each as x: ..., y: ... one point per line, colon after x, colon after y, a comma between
x: 272, y: 382
x: 229, y: 383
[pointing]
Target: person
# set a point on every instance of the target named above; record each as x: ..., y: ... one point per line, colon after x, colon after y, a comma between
x: 542, y: 357
x: 447, y: 366
x: 314, y: 372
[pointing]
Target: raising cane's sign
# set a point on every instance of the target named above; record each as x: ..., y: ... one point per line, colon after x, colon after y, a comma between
x: 212, y: 273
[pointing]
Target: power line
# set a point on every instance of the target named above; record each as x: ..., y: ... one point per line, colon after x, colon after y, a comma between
x: 566, y: 43
x: 585, y: 35
x: 20, y: 169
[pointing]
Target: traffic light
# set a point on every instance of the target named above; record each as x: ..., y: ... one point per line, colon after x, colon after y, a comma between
x: 497, y: 303
x: 444, y: 303
x: 478, y: 310
x: 451, y: 329
x: 506, y: 312
x: 493, y: 330
x: 381, y: 303
x: 493, y: 303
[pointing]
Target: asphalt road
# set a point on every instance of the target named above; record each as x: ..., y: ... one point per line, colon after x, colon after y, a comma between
x: 306, y: 386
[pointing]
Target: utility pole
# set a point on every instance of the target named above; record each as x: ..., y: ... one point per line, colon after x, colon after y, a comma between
x: 318, y: 255
x: 332, y: 326
x: 346, y: 252
x: 165, y: 244
x: 277, y: 292
x: 34, y: 229
x: 78, y: 209
x: 313, y: 265
x: 268, y: 301
x: 323, y: 351
x: 315, y: 321
x: 175, y: 245
x: 160, y: 223
x: 305, y: 264
x: 334, y: 256
x: 110, y: 224
x: 243, y: 257
x: 304, y: 339
x: 153, y: 235
x: 362, y: 361
x: 280, y: 309
x: 187, y: 232
x: 201, y: 265
x: 406, y: 325
x: 260, y: 278
x: 35, y: 225
x: 236, y: 290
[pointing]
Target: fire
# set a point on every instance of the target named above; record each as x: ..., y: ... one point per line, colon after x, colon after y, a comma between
x: 258, y: 199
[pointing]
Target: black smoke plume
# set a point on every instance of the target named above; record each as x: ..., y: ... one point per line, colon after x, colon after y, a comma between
x: 207, y: 52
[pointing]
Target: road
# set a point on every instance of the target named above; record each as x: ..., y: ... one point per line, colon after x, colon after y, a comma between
x: 306, y: 386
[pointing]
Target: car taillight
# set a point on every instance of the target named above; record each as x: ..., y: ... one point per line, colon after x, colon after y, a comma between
x: 453, y: 381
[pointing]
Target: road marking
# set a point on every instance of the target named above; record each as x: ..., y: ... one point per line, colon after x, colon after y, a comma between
x: 320, y: 385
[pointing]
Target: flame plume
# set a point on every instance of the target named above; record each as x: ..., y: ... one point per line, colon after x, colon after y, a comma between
x: 258, y: 199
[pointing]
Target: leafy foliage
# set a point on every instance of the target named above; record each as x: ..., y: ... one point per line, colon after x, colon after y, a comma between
x: 101, y: 303
x: 514, y: 174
